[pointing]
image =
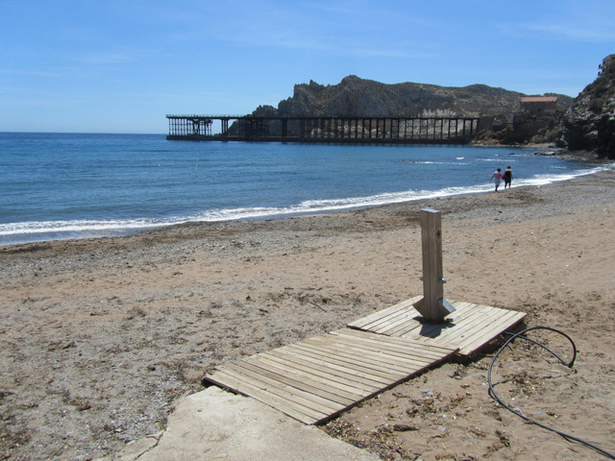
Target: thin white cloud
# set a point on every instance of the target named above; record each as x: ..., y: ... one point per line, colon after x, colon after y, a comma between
x: 399, y: 52
x: 349, y: 8
x: 309, y: 29
x: 572, y: 33
x: 335, y: 47
x: 573, y: 21
x: 104, y: 58
x: 30, y: 73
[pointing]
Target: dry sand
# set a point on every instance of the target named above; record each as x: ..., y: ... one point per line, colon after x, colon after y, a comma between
x: 100, y: 337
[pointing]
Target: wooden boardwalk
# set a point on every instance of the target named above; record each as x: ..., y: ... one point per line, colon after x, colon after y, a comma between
x: 468, y: 329
x: 318, y: 378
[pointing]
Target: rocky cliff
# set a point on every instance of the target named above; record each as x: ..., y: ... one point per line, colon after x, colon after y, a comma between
x: 589, y: 123
x: 354, y: 96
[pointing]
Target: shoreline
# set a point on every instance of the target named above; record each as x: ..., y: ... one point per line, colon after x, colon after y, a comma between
x: 122, y: 232
x: 101, y: 336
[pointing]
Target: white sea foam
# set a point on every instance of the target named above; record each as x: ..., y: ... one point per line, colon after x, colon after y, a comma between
x: 14, y: 233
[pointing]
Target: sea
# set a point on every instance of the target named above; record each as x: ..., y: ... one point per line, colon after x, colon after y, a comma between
x: 68, y: 186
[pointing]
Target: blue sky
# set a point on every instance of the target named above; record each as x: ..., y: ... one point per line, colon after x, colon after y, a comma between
x: 121, y: 66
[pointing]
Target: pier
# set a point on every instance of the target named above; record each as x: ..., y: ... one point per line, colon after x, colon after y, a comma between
x: 343, y: 130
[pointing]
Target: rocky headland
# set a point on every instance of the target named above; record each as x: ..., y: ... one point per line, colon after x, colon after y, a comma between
x: 355, y: 96
x: 589, y: 123
x: 582, y: 126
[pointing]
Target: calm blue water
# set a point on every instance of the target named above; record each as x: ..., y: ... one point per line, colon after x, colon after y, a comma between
x: 55, y: 186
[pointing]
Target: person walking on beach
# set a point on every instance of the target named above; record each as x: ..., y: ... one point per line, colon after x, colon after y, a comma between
x: 497, y: 178
x: 507, y: 177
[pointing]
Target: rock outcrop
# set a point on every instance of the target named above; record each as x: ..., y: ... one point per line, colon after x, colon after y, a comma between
x: 355, y: 96
x: 589, y: 123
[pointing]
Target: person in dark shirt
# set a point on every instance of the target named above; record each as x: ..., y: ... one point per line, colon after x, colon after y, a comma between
x: 507, y: 177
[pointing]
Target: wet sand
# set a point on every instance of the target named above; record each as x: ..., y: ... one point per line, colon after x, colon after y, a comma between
x: 101, y: 336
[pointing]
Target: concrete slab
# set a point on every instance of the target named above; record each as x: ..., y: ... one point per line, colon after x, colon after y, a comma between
x: 215, y: 424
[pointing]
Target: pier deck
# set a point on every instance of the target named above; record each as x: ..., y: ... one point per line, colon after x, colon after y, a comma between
x: 339, y: 130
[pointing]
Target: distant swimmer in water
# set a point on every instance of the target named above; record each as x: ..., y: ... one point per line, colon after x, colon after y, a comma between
x: 507, y: 177
x: 497, y: 178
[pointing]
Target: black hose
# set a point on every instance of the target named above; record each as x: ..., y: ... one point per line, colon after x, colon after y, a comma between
x: 493, y: 394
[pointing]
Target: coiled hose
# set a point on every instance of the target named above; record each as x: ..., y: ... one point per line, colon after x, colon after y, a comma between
x: 493, y: 394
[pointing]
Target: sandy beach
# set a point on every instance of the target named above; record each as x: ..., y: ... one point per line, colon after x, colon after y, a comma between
x: 100, y: 337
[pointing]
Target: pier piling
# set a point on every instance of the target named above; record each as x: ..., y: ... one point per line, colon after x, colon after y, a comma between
x: 343, y: 130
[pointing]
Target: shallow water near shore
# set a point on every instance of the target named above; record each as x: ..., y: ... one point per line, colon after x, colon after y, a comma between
x: 58, y: 186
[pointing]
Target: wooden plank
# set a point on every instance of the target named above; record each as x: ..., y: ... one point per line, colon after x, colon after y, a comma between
x: 386, y: 360
x: 292, y: 389
x: 338, y: 365
x: 373, y: 373
x: 339, y: 379
x: 458, y: 326
x: 328, y: 377
x: 371, y: 319
x: 410, y: 346
x: 370, y: 370
x: 471, y: 326
x: 473, y: 319
x: 471, y: 329
x: 498, y: 327
x: 477, y: 335
x: 350, y: 376
x: 363, y: 356
x: 401, y: 314
x: 302, y: 382
x: 237, y: 383
x: 420, y: 352
x: 395, y: 346
x: 309, y: 378
x: 404, y: 321
x: 371, y: 361
x: 453, y: 336
x: 425, y: 357
x: 371, y: 353
x: 297, y: 365
x: 430, y: 330
x: 390, y: 325
x: 304, y: 399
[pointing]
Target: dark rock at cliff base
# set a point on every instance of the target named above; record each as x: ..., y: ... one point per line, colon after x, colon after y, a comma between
x: 589, y: 123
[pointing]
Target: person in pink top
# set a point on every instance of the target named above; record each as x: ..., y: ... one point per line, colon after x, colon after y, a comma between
x: 497, y: 178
